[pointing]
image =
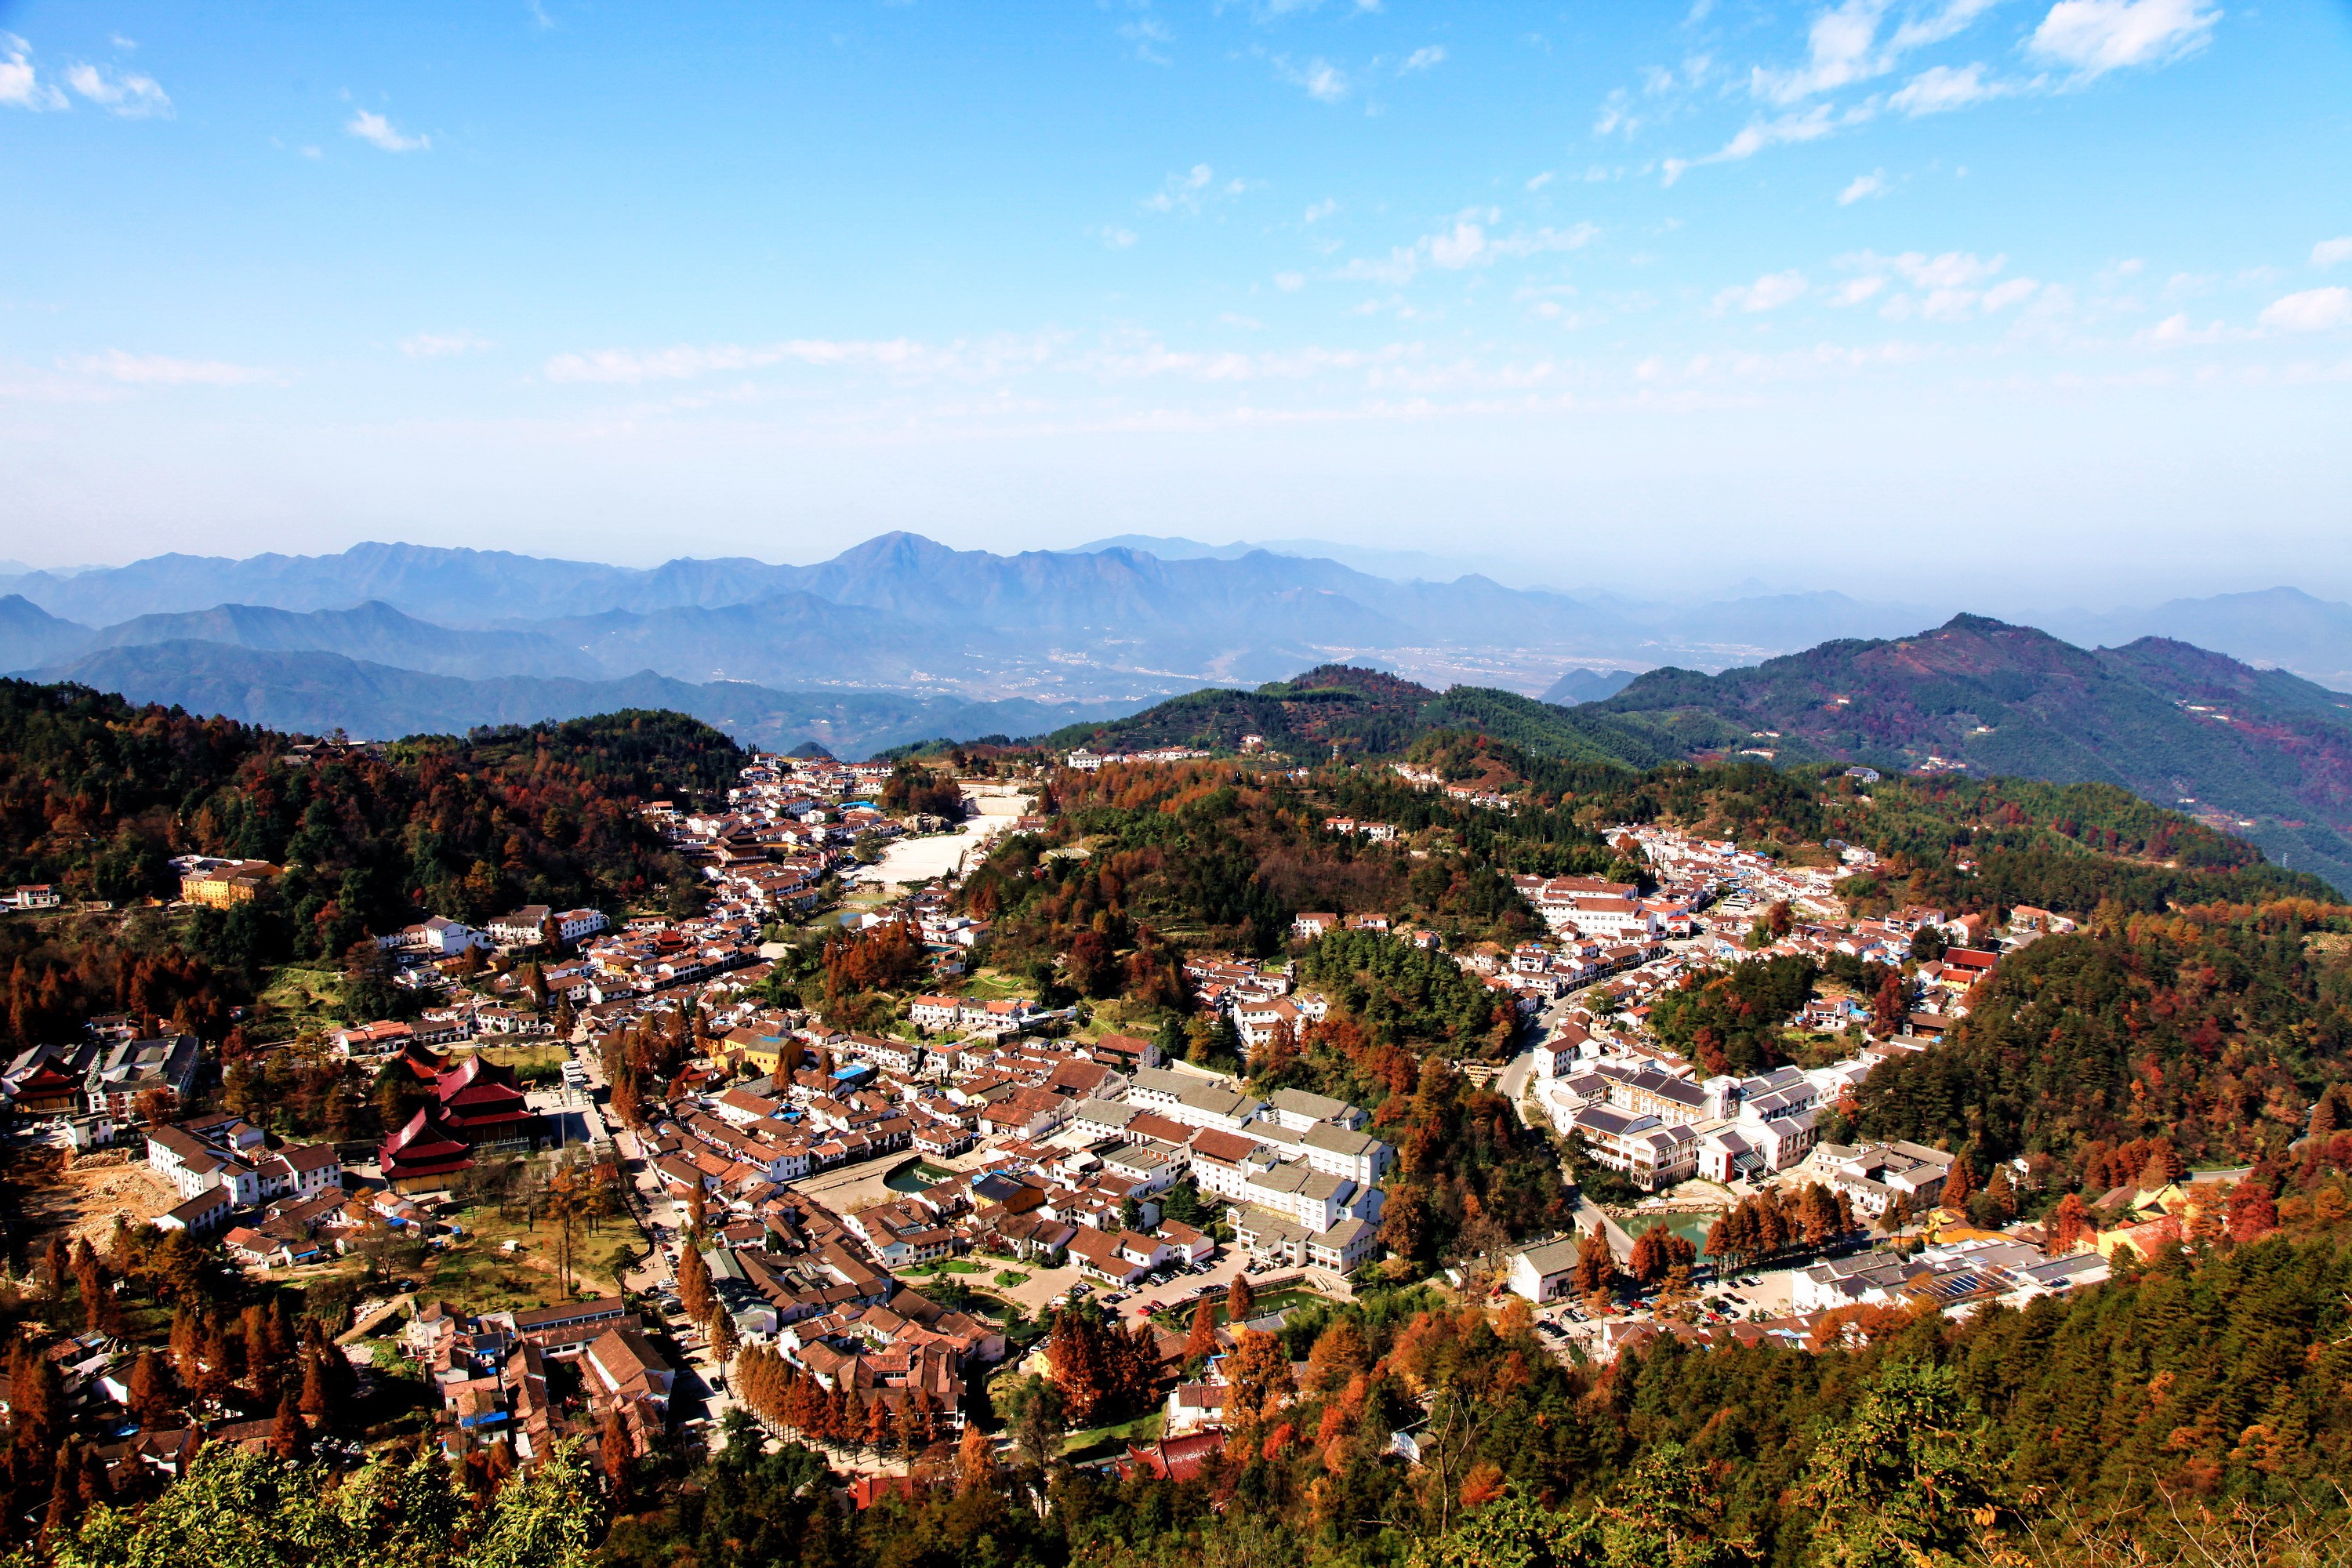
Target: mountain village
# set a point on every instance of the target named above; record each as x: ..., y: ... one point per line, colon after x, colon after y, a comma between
x: 875, y: 1212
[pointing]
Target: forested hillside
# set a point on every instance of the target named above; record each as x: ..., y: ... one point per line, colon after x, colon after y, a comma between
x: 2260, y: 751
x: 97, y: 796
x: 1363, y: 712
x: 2213, y: 1027
x: 2192, y: 1412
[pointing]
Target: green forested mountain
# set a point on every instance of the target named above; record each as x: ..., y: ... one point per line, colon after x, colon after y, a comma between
x: 2260, y: 752
x: 1364, y: 712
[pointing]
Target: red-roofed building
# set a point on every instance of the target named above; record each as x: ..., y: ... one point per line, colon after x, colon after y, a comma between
x: 1173, y: 1458
x: 423, y: 1154
x: 481, y: 1102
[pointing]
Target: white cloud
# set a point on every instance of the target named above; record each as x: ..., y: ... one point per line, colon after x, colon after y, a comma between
x: 1803, y: 125
x: 1841, y: 44
x: 1181, y: 192
x: 1114, y: 238
x: 1844, y: 47
x: 20, y: 85
x: 2312, y: 311
x: 1465, y: 246
x: 378, y: 131
x: 2175, y: 331
x: 1191, y: 191
x: 1540, y: 181
x: 1469, y: 243
x: 1769, y: 292
x: 897, y: 355
x: 1321, y: 210
x: 441, y: 345
x: 1933, y: 26
x: 133, y: 97
x: 1422, y: 58
x: 1147, y: 34
x: 1952, y: 270
x: 1940, y: 89
x: 1535, y: 241
x: 159, y: 370
x: 2329, y: 252
x: 1616, y: 114
x: 2095, y: 37
x: 1951, y: 285
x: 1323, y: 82
x: 1862, y: 186
x: 1290, y: 282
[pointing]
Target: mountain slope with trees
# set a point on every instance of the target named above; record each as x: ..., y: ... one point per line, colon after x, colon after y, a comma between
x: 2264, y: 752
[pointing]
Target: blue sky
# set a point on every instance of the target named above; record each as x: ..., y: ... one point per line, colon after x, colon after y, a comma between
x: 2045, y: 300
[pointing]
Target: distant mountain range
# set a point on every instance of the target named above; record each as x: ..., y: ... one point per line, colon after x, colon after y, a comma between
x: 2262, y: 754
x: 310, y: 692
x: 1136, y: 617
x: 897, y: 612
x: 902, y: 638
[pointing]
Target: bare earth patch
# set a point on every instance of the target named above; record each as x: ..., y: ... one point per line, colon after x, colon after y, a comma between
x: 83, y: 1202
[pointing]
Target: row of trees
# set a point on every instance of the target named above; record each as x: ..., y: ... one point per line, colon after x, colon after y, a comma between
x: 785, y: 1397
x: 1772, y: 1222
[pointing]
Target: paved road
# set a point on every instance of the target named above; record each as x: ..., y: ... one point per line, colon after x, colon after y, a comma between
x: 1513, y: 1083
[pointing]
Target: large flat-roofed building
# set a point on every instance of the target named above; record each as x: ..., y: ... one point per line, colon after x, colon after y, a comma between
x: 221, y: 883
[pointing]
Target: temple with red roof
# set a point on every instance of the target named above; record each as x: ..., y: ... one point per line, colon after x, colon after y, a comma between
x: 481, y: 1102
x: 423, y: 1154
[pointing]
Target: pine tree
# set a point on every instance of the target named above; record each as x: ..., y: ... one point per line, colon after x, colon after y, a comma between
x: 1958, y: 1185
x: 1819, y: 1213
x: 318, y: 1397
x: 2069, y: 1226
x: 975, y: 1462
x: 150, y: 1391
x: 66, y: 1486
x: 617, y: 1454
x: 288, y: 1437
x: 1240, y: 1303
x: 1596, y: 1266
x: 694, y: 1292
x: 1339, y: 1354
x: 1202, y: 1342
x: 2327, y: 1115
x: 723, y: 1338
x: 2000, y: 1195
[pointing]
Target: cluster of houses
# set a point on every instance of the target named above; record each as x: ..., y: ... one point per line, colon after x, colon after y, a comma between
x: 108, y: 1078
x: 788, y: 823
x: 1642, y: 1110
x: 531, y: 1378
x: 1087, y: 762
x: 223, y: 1167
x: 1079, y: 1140
x: 1657, y: 1127
x: 1466, y: 795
